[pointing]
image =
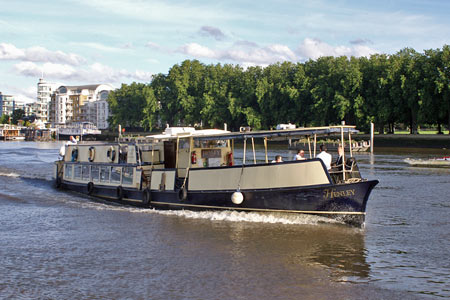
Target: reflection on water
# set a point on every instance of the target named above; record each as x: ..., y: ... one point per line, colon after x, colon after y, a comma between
x: 62, y: 245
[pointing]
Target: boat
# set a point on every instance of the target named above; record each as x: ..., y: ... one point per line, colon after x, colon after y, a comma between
x: 184, y: 168
x: 432, y: 162
x: 361, y: 146
x: 82, y: 130
x: 11, y: 133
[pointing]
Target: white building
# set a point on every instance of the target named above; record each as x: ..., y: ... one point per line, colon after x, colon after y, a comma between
x: 43, y: 104
x: 86, y: 103
x: 9, y: 104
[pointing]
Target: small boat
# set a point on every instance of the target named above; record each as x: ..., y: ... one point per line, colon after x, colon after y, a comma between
x: 11, y: 133
x: 432, y: 162
x: 184, y: 168
x: 362, y: 146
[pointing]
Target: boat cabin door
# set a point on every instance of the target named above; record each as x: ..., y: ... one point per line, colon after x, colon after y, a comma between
x: 170, y: 154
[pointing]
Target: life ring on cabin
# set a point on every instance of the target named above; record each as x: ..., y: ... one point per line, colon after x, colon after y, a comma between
x: 182, y: 194
x: 58, y: 182
x: 147, y: 196
x: 111, y: 154
x: 91, y: 154
x: 90, y: 188
x: 75, y: 154
x: 119, y: 193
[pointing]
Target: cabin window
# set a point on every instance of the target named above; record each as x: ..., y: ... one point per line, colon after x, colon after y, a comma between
x: 210, y: 144
x: 86, y: 173
x: 184, y: 144
x: 95, y: 173
x: 77, y: 172
x: 127, y: 176
x: 68, y: 171
x: 115, y: 174
x: 104, y: 174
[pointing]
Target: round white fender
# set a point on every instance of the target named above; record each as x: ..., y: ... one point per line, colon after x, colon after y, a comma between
x: 237, y: 198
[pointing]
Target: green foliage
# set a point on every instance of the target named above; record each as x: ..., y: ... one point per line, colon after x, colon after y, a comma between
x: 407, y: 88
x: 17, y: 115
x: 4, y: 119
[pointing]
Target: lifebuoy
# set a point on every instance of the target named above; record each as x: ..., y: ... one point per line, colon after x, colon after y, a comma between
x: 74, y: 154
x: 111, y: 154
x: 90, y: 188
x: 182, y: 194
x: 147, y: 196
x: 91, y: 154
x: 119, y: 193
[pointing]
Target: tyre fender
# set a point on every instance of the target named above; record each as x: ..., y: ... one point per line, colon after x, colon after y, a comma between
x: 90, y: 188
x: 147, y: 197
x: 119, y: 193
x: 182, y: 194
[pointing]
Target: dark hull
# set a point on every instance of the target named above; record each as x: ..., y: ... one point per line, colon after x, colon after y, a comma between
x: 330, y: 200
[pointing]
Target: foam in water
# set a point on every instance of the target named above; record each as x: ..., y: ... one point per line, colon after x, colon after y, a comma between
x: 9, y: 174
x: 221, y: 215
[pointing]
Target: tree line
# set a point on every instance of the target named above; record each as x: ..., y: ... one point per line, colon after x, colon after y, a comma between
x: 407, y: 88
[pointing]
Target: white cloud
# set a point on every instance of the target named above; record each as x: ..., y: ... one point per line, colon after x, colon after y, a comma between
x: 196, y: 50
x: 10, y: 52
x: 101, y: 47
x: 94, y: 73
x: 315, y: 48
x: 38, y: 54
x: 250, y: 54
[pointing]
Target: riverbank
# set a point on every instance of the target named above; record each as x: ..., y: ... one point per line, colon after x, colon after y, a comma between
x: 434, y: 141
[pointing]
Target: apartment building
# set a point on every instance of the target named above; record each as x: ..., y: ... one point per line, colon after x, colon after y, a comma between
x: 8, y: 104
x: 42, y: 106
x: 80, y: 104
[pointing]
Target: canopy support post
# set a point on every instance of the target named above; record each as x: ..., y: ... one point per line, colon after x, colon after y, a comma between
x: 254, y: 153
x: 315, y: 144
x: 343, y: 152
x: 265, y: 149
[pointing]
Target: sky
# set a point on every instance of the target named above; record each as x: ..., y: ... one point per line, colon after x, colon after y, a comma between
x: 80, y: 42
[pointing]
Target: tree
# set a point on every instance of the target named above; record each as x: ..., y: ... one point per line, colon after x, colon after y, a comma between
x: 443, y: 81
x: 127, y: 105
x: 151, y: 109
x: 4, y: 119
x: 17, y: 115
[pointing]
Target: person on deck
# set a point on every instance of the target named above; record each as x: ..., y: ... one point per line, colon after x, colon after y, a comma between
x: 300, y: 155
x: 72, y: 141
x: 339, y: 160
x: 277, y: 159
x: 324, y: 156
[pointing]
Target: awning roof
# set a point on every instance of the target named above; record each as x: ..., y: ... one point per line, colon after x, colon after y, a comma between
x: 280, y: 134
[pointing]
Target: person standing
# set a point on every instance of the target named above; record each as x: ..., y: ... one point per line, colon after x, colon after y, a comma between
x: 324, y: 156
x: 339, y: 160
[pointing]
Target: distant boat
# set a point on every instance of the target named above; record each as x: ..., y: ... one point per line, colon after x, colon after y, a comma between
x: 83, y: 130
x: 432, y: 162
x: 11, y: 133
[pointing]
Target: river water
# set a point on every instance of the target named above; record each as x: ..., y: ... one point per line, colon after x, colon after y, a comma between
x: 61, y: 245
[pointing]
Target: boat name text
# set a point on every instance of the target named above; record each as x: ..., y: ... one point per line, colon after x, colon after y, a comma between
x: 332, y: 193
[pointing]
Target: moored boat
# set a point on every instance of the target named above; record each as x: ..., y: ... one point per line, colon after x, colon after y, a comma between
x: 186, y: 168
x: 432, y: 162
x: 81, y: 130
